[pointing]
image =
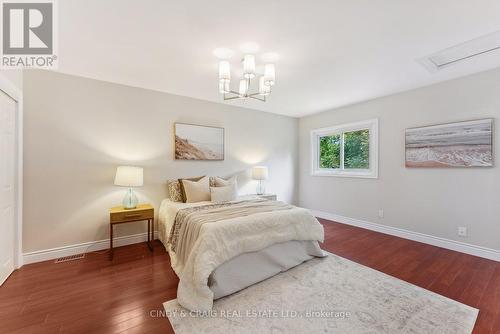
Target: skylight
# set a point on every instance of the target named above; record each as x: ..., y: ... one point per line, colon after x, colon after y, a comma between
x: 462, y: 52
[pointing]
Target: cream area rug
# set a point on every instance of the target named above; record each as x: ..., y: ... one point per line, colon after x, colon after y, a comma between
x: 328, y: 295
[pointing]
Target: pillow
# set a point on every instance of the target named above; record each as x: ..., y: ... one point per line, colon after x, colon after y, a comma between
x: 183, y: 193
x: 220, y: 182
x: 196, y: 191
x: 223, y: 194
x: 174, y: 190
x: 212, y: 181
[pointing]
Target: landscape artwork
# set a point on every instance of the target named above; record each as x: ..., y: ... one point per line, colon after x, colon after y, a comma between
x: 195, y: 142
x: 462, y: 144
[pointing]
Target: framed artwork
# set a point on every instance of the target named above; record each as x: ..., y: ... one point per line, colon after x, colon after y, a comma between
x: 197, y: 142
x: 461, y: 144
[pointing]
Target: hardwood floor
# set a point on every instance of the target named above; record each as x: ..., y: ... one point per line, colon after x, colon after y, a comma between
x: 95, y: 295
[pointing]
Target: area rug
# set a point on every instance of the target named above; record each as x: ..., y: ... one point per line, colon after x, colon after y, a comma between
x: 328, y: 295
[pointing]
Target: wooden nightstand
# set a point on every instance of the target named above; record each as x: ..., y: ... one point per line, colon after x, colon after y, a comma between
x: 119, y: 215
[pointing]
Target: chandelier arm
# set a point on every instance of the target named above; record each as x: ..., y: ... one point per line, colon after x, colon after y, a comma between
x: 231, y: 95
x: 231, y: 98
x: 263, y: 99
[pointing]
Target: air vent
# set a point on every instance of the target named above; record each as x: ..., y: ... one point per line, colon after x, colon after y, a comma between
x: 465, y: 51
x: 70, y: 258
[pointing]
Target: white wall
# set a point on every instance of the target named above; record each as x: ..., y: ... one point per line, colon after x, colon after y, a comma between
x: 76, y: 131
x: 430, y: 201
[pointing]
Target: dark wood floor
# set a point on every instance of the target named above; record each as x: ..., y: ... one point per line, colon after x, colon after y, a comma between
x: 97, y: 296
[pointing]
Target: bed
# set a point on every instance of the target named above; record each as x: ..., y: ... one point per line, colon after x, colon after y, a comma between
x: 218, y: 249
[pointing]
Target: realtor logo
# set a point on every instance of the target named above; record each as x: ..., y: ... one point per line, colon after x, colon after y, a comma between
x: 28, y: 32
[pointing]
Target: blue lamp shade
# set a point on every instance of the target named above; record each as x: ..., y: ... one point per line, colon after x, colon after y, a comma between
x: 129, y: 176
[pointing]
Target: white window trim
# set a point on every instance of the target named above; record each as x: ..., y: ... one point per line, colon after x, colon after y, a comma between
x: 371, y: 125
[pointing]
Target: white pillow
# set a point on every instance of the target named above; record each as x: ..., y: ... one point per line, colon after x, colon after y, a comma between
x: 223, y: 194
x: 197, y: 191
x: 220, y: 182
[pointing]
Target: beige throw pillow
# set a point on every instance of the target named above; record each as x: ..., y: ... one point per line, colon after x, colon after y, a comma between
x: 197, y: 191
x: 220, y: 182
x: 223, y: 194
x: 183, y: 193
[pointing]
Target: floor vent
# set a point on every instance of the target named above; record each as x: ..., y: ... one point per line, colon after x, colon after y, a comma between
x: 70, y: 258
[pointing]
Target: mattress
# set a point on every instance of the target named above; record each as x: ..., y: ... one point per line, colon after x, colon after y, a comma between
x: 248, y: 268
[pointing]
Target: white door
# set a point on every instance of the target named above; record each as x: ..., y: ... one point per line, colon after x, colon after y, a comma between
x: 8, y: 158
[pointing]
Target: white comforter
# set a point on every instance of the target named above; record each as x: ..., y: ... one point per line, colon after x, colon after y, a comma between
x: 220, y: 242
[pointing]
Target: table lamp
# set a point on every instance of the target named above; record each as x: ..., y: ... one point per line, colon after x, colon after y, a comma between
x: 128, y: 176
x: 260, y: 173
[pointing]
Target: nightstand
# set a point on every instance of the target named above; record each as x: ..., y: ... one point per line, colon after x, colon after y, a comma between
x: 119, y: 215
x: 271, y: 197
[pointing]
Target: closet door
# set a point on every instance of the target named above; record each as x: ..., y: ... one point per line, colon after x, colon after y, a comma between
x: 8, y: 157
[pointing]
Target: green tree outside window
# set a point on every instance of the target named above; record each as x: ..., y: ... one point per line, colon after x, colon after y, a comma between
x: 329, y: 148
x: 356, y: 150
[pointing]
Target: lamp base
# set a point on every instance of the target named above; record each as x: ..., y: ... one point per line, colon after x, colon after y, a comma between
x: 261, y: 189
x: 130, y: 200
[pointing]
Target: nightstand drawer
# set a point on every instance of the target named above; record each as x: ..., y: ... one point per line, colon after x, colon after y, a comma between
x: 132, y: 215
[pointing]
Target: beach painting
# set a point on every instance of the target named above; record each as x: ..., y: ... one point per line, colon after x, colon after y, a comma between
x: 196, y: 142
x: 462, y: 144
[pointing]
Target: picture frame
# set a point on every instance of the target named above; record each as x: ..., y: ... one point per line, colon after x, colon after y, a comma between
x: 462, y: 144
x: 198, y: 142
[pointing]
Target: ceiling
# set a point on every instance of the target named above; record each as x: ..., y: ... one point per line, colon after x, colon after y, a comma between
x: 331, y: 53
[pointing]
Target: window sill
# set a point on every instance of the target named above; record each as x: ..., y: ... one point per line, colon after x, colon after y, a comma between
x: 363, y: 175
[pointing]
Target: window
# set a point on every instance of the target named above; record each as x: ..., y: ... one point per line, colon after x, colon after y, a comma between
x: 346, y: 150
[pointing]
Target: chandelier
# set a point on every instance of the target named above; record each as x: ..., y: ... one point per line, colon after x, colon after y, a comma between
x: 246, y: 84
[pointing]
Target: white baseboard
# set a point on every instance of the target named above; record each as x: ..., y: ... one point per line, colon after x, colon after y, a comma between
x: 55, y: 253
x: 458, y: 246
